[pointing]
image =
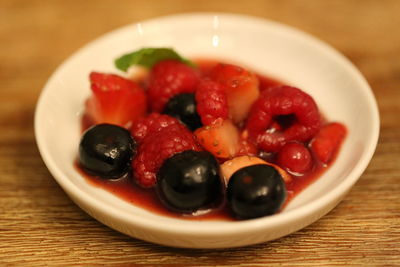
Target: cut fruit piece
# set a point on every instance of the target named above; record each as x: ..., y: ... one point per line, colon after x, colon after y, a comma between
x: 115, y: 100
x: 241, y: 89
x: 228, y: 168
x: 327, y: 142
x: 220, y: 138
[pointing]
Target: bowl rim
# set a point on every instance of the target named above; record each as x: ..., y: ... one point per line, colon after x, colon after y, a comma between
x: 232, y: 227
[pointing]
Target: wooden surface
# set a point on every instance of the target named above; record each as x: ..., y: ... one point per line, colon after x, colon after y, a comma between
x: 40, y: 225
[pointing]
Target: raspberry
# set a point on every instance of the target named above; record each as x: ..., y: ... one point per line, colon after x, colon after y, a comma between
x: 154, y: 122
x: 167, y: 79
x: 156, y: 148
x: 295, y: 158
x: 293, y: 109
x: 211, y: 101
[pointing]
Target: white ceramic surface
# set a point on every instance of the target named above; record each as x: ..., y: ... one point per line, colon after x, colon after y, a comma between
x: 267, y: 47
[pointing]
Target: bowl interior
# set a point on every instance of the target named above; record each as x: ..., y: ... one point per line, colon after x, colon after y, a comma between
x: 266, y: 47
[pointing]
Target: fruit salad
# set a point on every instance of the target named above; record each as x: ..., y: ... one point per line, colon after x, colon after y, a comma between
x: 197, y: 139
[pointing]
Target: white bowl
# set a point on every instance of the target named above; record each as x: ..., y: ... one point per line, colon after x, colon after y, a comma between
x: 269, y: 48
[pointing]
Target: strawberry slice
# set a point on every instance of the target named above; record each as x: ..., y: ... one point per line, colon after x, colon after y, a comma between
x: 221, y: 138
x: 327, y: 142
x: 241, y: 89
x: 115, y: 100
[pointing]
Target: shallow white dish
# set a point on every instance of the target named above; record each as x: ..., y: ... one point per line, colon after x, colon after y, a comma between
x: 267, y: 47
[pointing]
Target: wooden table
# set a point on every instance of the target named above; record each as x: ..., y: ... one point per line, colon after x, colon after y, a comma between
x: 40, y: 225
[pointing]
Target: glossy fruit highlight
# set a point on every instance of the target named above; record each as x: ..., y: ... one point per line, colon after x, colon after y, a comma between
x: 256, y: 191
x: 190, y: 181
x: 106, y: 150
x: 183, y: 107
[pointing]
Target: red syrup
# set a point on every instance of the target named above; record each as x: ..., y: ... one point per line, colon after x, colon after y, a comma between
x: 125, y: 188
x: 299, y: 183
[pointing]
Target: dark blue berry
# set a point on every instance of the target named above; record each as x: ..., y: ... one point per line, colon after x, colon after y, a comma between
x: 256, y: 191
x: 106, y: 150
x: 183, y: 107
x: 189, y: 181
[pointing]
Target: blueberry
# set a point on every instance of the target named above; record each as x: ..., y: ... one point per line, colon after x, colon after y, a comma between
x: 183, y: 107
x: 256, y: 191
x: 189, y: 181
x: 106, y: 150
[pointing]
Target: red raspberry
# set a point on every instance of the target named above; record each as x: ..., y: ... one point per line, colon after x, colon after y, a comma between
x: 167, y: 79
x: 295, y: 158
x: 296, y: 107
x: 211, y: 101
x: 154, y: 122
x: 156, y: 148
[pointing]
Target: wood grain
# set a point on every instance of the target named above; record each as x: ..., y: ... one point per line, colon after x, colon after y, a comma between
x: 40, y: 225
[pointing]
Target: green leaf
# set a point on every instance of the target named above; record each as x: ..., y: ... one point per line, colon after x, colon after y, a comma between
x: 148, y: 57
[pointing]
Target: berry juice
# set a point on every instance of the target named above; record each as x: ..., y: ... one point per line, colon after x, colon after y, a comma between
x: 126, y: 189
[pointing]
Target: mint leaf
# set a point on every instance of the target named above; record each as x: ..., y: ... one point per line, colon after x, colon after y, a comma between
x: 148, y: 57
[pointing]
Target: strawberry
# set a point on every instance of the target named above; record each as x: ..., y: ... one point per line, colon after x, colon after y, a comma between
x: 327, y: 141
x: 241, y: 89
x: 167, y: 79
x: 221, y: 138
x: 115, y: 100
